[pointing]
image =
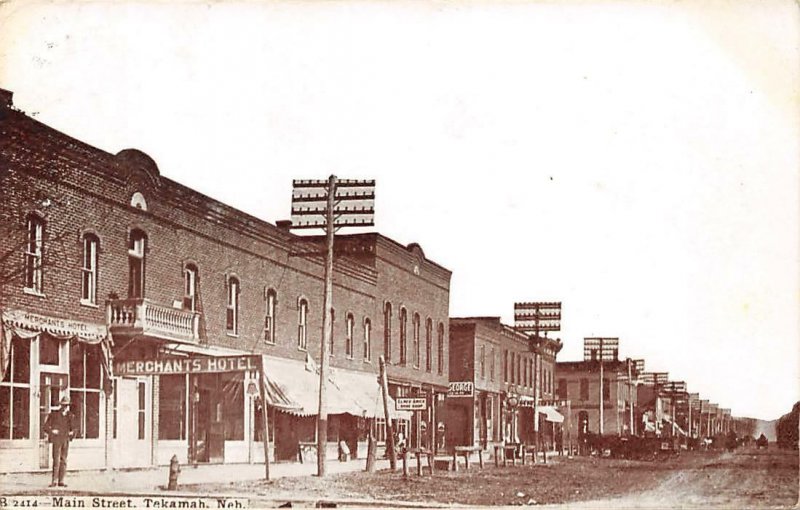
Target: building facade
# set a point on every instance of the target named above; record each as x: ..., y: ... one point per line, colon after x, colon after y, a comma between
x: 510, y: 373
x: 153, y: 307
x: 581, y: 383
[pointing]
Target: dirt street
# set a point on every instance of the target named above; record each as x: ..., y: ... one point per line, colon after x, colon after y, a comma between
x: 743, y: 479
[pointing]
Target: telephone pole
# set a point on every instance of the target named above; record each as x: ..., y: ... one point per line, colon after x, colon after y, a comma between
x: 601, y: 349
x: 319, y: 204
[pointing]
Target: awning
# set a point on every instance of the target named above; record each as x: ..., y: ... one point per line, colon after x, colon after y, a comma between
x: 293, y: 387
x: 205, y: 350
x: 365, y: 391
x: 551, y: 414
x: 27, y: 325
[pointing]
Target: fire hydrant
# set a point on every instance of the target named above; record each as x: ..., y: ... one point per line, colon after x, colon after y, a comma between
x: 174, y: 469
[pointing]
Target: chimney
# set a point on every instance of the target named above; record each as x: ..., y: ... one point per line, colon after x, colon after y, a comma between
x: 284, y: 224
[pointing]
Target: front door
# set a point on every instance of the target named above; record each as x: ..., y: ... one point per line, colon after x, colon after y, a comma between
x: 132, y: 434
x: 51, y: 388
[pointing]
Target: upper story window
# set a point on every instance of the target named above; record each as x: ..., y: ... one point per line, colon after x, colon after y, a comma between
x: 387, y: 331
x: 606, y: 390
x: 232, y: 313
x: 34, y: 248
x: 562, y: 389
x: 491, y: 366
x: 190, y: 287
x: 440, y: 348
x: 415, y: 332
x: 428, y: 344
x: 350, y: 324
x: 137, y: 250
x: 271, y: 299
x: 483, y: 361
x: 89, y: 270
x: 584, y: 389
x: 302, y: 324
x: 505, y: 365
x: 403, y: 335
x: 367, y: 340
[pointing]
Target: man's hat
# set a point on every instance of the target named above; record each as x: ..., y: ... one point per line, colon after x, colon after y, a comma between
x: 65, y: 400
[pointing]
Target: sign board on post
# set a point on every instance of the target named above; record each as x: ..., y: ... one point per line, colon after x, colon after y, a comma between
x: 411, y: 403
x: 461, y: 389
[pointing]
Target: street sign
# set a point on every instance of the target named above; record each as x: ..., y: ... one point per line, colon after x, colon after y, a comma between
x: 411, y: 403
x: 461, y: 389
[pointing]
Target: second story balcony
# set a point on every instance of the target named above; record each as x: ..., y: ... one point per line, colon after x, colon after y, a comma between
x: 142, y: 317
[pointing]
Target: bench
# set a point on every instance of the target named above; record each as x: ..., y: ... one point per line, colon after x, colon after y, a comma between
x: 465, y: 451
x: 506, y: 449
x: 419, y: 453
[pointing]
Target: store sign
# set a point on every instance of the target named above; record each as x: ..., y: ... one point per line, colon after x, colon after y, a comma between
x: 461, y: 389
x: 204, y: 365
x: 554, y: 403
x: 53, y: 325
x: 411, y: 403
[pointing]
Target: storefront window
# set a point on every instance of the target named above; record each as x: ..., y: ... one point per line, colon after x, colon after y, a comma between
x: 15, y: 393
x: 233, y: 402
x: 48, y: 350
x: 172, y: 407
x: 85, y: 379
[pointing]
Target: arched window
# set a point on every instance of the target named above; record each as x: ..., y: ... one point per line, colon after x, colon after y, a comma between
x: 190, y: 287
x: 428, y: 346
x: 403, y: 336
x: 440, y: 348
x: 270, y: 301
x: 232, y: 315
x: 387, y: 332
x: 137, y: 250
x: 367, y: 340
x: 89, y: 269
x: 34, y: 248
x: 415, y: 332
x: 302, y: 324
x: 350, y: 324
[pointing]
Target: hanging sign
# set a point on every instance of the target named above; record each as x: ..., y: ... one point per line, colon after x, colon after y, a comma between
x: 205, y: 365
x: 411, y: 403
x: 461, y: 389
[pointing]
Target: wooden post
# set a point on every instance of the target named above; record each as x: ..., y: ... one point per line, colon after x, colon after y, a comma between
x: 480, y: 458
x: 264, y: 417
x: 419, y: 462
x: 389, y: 428
x: 405, y: 462
x: 496, y: 456
x: 455, y: 461
x: 370, y: 453
x: 322, y: 415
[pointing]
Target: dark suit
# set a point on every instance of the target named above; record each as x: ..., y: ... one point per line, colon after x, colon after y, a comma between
x: 60, y: 427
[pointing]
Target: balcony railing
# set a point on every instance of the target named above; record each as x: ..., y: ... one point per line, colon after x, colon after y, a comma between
x: 145, y: 318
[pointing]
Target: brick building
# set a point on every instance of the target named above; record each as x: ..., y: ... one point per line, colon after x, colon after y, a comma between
x: 511, y: 373
x: 115, y: 280
x: 580, y: 383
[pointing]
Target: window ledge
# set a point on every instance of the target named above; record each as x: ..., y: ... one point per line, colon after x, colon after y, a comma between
x: 232, y: 335
x: 89, y: 304
x: 33, y: 292
x: 303, y: 349
x: 368, y: 361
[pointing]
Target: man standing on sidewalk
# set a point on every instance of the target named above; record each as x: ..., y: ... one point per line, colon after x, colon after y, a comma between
x: 60, y: 429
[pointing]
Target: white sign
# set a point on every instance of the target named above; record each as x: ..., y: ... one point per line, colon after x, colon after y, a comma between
x: 411, y: 403
x: 461, y: 389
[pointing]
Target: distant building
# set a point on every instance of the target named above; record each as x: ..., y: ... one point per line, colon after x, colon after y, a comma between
x: 511, y: 373
x: 580, y: 382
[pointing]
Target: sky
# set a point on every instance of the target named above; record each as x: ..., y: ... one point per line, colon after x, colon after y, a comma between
x: 637, y: 161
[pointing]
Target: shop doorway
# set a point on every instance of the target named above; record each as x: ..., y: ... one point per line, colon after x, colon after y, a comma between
x: 132, y: 422
x: 51, y: 388
x: 209, y: 424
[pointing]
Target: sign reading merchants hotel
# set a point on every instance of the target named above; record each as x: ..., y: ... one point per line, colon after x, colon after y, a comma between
x: 205, y: 365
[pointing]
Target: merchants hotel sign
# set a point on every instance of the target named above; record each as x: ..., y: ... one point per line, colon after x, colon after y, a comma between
x: 187, y: 365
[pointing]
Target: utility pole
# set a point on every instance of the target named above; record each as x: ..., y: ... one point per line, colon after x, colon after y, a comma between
x: 599, y: 349
x: 308, y: 211
x: 389, y: 428
x: 630, y: 395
